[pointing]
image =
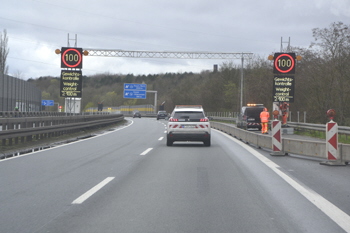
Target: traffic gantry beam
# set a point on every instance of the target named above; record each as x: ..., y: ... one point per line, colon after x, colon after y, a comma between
x: 167, y: 54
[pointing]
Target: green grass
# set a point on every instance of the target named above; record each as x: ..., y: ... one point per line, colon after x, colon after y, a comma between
x: 342, y: 138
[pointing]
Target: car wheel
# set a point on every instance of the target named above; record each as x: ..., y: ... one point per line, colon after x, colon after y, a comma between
x: 206, y: 142
x: 169, y: 142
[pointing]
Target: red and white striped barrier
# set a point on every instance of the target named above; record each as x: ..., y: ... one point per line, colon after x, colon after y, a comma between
x: 277, y: 138
x: 332, y: 140
x: 332, y: 144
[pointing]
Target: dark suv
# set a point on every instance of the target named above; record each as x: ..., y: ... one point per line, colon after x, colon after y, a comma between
x: 136, y: 114
x: 162, y: 115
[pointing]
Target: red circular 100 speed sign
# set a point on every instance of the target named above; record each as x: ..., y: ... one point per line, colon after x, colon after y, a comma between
x: 71, y: 57
x: 284, y: 63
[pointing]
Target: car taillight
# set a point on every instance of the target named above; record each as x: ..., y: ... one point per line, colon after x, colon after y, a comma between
x: 204, y: 120
x: 173, y: 119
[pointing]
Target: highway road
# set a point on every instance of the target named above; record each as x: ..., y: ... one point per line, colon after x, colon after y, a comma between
x: 128, y: 180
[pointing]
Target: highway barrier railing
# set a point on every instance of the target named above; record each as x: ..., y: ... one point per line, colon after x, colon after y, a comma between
x: 6, y: 114
x: 342, y: 130
x: 308, y: 148
x: 14, y: 130
x: 319, y: 127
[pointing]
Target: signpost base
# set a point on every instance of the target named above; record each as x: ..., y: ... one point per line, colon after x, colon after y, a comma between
x: 278, y: 153
x: 333, y: 163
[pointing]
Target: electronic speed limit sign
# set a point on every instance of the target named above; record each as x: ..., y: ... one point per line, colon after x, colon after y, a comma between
x: 71, y: 57
x: 284, y: 63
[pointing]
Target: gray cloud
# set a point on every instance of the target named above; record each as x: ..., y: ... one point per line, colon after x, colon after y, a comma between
x: 36, y: 28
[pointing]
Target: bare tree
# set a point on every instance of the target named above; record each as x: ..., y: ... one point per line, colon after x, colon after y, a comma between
x: 3, y: 52
x: 328, y: 71
x: 333, y: 41
x: 3, y: 70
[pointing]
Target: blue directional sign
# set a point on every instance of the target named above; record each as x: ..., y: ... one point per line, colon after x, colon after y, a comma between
x: 135, y: 86
x: 135, y: 91
x: 47, y: 102
x: 134, y: 94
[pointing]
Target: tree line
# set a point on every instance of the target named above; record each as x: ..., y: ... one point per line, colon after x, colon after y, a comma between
x: 322, y: 82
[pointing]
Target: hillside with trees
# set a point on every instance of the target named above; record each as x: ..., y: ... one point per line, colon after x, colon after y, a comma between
x: 322, y: 82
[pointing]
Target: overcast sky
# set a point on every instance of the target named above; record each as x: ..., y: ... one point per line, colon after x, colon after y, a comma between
x: 35, y: 28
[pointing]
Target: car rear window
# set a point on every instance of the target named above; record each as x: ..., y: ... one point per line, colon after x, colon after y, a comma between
x: 253, y: 112
x: 189, y: 116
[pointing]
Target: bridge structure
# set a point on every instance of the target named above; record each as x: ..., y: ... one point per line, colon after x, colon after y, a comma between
x: 174, y: 55
x: 166, y: 54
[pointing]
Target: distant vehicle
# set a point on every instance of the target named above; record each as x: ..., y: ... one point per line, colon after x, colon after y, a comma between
x: 249, y: 116
x: 137, y: 114
x: 162, y: 115
x: 188, y: 123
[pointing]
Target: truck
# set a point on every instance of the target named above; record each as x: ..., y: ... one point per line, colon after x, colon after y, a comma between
x: 249, y: 116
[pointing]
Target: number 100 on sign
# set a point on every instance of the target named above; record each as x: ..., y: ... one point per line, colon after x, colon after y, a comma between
x: 284, y: 63
x: 71, y: 58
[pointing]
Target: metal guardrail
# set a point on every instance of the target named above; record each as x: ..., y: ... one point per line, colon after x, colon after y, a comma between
x: 319, y: 127
x: 293, y: 146
x: 21, y: 129
x: 315, y: 127
x: 6, y: 114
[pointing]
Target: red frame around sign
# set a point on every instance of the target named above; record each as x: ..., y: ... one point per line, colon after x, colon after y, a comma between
x: 282, y: 55
x: 79, y: 54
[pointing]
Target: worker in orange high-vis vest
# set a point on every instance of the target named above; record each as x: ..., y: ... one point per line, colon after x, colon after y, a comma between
x: 264, y: 117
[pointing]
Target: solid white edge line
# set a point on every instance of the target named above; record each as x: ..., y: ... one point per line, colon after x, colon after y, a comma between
x: 92, y: 191
x: 146, y: 151
x: 332, y: 211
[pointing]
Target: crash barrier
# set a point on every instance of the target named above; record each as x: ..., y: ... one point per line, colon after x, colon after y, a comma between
x: 15, y: 130
x: 126, y: 109
x: 293, y: 146
x: 6, y: 114
x: 151, y: 115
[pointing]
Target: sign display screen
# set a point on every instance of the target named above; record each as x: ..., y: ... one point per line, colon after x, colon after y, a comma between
x: 283, y: 88
x: 71, y: 83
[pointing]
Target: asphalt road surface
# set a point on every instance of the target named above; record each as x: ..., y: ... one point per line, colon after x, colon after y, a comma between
x: 128, y: 180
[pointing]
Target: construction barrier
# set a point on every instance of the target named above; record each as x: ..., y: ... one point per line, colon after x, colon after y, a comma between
x: 316, y: 149
x: 276, y: 138
x: 332, y: 145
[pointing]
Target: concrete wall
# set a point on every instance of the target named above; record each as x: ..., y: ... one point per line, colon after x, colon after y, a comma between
x: 293, y: 146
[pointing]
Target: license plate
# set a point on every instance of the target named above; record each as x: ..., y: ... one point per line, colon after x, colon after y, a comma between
x: 188, y: 126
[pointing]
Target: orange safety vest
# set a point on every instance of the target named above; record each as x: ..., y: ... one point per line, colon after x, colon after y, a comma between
x: 264, y: 117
